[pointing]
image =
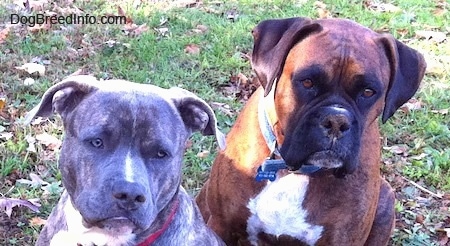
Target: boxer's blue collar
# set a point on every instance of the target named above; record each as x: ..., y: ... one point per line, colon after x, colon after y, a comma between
x: 271, y: 165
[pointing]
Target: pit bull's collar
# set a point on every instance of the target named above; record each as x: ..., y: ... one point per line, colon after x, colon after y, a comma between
x: 274, y: 162
x: 152, y: 238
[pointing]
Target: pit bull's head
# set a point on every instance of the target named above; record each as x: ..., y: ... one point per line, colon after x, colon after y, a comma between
x: 341, y: 76
x: 123, y: 146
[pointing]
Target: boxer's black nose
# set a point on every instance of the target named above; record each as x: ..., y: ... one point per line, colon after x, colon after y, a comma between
x: 128, y: 195
x: 336, y: 122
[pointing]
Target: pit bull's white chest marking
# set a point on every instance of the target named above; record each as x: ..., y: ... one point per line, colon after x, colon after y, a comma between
x: 129, y: 172
x: 77, y: 234
x: 278, y: 210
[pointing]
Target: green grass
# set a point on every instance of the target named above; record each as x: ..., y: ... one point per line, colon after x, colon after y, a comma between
x: 161, y: 59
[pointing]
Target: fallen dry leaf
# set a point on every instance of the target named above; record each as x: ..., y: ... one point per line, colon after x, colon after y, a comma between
x: 6, y: 135
x: 31, y: 141
x: 37, y: 5
x: 398, y: 149
x: 223, y: 107
x: 242, y: 79
x: 322, y: 10
x: 323, y: 13
x: 110, y: 43
x: 203, y: 154
x: 34, y: 181
x: 202, y: 28
x: 139, y: 30
x: 420, y: 218
x: 199, y: 29
x: 411, y: 105
x: 436, y: 65
x: 4, y: 34
x: 440, y: 12
x: 49, y: 141
x: 121, y: 12
x: 441, y: 111
x: 134, y: 30
x: 66, y: 11
x: 419, y: 157
x: 191, y: 4
x: 7, y: 204
x: 188, y: 144
x: 31, y: 68
x: 40, y: 27
x: 37, y: 221
x: 232, y: 14
x: 28, y: 81
x: 434, y: 36
x: 2, y: 102
x: 383, y: 7
x: 192, y: 49
x: 443, y: 239
x: 37, y: 121
x: 162, y: 31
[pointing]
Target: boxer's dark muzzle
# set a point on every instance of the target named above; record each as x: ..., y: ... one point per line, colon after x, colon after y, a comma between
x: 327, y: 136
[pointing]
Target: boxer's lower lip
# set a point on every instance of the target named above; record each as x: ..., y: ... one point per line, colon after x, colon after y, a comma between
x: 325, y: 159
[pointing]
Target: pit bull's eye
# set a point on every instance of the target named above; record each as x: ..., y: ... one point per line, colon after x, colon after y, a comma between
x: 307, y: 83
x: 368, y: 92
x: 161, y: 154
x: 97, y: 143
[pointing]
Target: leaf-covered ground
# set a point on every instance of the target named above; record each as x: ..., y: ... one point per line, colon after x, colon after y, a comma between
x: 205, y: 46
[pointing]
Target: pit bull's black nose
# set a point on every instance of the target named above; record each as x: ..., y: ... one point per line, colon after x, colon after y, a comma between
x: 336, y: 122
x: 129, y: 196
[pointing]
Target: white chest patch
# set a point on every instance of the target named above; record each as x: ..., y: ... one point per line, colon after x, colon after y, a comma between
x: 278, y: 210
x: 77, y: 234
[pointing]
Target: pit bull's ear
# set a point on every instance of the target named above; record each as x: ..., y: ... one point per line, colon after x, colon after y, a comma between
x: 407, y: 70
x: 63, y: 97
x: 273, y: 39
x: 197, y: 114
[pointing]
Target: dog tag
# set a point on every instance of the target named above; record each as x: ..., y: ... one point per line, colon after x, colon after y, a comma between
x: 268, y: 170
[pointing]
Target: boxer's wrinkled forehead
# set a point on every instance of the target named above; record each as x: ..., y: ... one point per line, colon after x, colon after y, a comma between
x: 342, y: 61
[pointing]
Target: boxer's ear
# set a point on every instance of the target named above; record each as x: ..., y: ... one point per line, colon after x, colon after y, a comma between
x: 273, y: 39
x: 63, y: 97
x: 197, y: 114
x: 407, y: 70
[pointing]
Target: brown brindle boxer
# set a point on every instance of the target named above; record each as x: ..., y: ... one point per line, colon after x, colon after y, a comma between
x: 302, y: 162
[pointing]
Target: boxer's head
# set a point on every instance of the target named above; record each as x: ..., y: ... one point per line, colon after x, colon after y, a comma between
x: 334, y: 78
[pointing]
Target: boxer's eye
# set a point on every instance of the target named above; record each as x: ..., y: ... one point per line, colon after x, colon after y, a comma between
x: 97, y: 143
x: 368, y: 93
x: 307, y: 83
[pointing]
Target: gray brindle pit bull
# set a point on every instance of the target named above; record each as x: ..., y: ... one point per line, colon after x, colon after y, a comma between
x: 121, y: 163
